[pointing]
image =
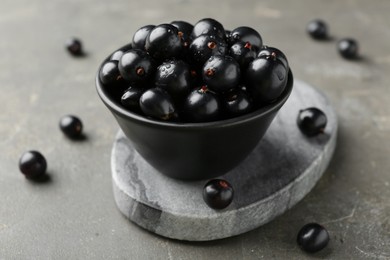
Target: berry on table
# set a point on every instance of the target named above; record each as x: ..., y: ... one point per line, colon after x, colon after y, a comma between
x: 71, y: 126
x: 32, y: 164
x: 312, y: 237
x: 74, y: 46
x: 348, y: 48
x: 218, y: 193
x: 317, y: 29
x: 311, y: 121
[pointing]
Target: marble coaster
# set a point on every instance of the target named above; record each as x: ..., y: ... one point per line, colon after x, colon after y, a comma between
x: 280, y: 171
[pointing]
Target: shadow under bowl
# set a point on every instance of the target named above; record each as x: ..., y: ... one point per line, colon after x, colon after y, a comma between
x: 194, y: 151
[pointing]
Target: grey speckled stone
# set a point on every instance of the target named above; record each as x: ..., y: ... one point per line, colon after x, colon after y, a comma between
x: 281, y: 170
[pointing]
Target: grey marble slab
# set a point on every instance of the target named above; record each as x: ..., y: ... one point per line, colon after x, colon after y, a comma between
x: 280, y: 171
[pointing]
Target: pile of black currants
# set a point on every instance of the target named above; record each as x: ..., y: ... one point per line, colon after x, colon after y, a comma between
x: 194, y: 73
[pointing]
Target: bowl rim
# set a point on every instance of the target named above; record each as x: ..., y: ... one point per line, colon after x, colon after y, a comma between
x: 123, y: 112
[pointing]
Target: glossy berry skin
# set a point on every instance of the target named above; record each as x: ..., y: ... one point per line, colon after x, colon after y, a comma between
x: 109, y: 73
x: 221, y: 73
x: 157, y: 103
x: 185, y: 30
x: 267, y: 51
x: 266, y: 79
x: 32, y: 164
x: 204, y: 46
x: 74, y: 46
x: 208, y: 26
x: 174, y: 76
x: 137, y: 67
x: 202, y: 105
x: 164, y: 42
x: 311, y: 121
x: 218, y: 194
x: 139, y: 37
x: 130, y: 98
x: 71, y: 126
x: 116, y: 56
x: 348, y: 48
x: 243, y: 53
x: 312, y: 238
x: 317, y: 29
x: 246, y: 34
x: 237, y: 102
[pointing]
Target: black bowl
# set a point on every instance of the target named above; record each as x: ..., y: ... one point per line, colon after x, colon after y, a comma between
x: 194, y: 151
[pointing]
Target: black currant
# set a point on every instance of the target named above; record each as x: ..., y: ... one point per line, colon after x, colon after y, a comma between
x: 202, y: 105
x: 311, y: 121
x: 243, y: 53
x: 221, y: 73
x: 317, y: 29
x: 137, y: 67
x: 109, y: 73
x: 208, y: 26
x: 185, y: 30
x: 267, y: 51
x: 139, y: 37
x: 32, y: 164
x: 164, y: 42
x: 116, y: 56
x: 71, y: 126
x: 348, y: 48
x: 246, y: 34
x: 237, y: 102
x: 312, y: 237
x: 74, y: 46
x: 157, y: 103
x: 218, y: 193
x: 204, y: 46
x: 130, y: 98
x: 266, y: 78
x: 174, y: 76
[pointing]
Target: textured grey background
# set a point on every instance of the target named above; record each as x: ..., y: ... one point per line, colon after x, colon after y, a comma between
x: 74, y: 216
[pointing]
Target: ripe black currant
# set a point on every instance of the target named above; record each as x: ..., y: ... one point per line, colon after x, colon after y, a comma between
x: 204, y: 46
x: 221, y: 73
x: 348, y: 48
x: 312, y: 237
x: 164, y: 42
x: 237, y: 102
x: 246, y: 34
x: 139, y: 37
x: 202, y: 105
x: 317, y: 29
x: 74, y: 46
x: 266, y: 78
x: 32, y: 164
x: 174, y: 76
x: 109, y: 73
x: 243, y: 53
x: 218, y: 193
x: 130, y: 98
x: 71, y: 126
x: 267, y: 51
x: 208, y: 26
x: 157, y: 103
x: 311, y: 121
x: 116, y: 56
x: 137, y: 67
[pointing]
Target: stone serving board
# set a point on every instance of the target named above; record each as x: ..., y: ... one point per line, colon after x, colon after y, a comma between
x: 280, y: 171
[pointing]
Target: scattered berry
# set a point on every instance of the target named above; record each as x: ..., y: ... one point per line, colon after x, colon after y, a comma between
x: 74, y: 46
x: 71, y: 126
x: 218, y: 194
x: 348, y: 48
x: 317, y: 29
x: 311, y: 121
x: 312, y: 237
x: 32, y: 164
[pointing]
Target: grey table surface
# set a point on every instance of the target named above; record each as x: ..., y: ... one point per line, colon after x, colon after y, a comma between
x: 73, y: 216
